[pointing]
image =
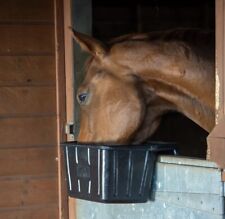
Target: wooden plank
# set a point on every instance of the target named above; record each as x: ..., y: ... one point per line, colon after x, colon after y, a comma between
x: 28, y: 161
x: 61, y: 106
x: 17, y: 132
x: 46, y: 212
x: 69, y: 66
x: 26, y: 11
x: 220, y: 64
x: 27, y: 70
x: 26, y: 39
x: 25, y: 192
x: 216, y: 139
x: 27, y: 100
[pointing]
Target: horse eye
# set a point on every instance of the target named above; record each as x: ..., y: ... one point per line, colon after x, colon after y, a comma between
x: 82, y: 98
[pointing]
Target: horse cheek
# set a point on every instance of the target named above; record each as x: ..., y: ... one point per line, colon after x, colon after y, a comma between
x: 126, y: 122
x: 86, y: 131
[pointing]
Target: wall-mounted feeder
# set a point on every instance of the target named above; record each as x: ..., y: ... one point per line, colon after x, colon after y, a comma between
x: 112, y: 174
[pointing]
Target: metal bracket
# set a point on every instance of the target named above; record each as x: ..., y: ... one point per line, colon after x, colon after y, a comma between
x: 70, y: 130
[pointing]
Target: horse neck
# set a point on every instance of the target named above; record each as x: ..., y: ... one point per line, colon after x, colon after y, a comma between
x: 187, y: 98
x: 183, y: 102
x: 179, y: 76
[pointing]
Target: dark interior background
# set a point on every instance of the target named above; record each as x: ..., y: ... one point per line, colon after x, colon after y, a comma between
x: 115, y: 18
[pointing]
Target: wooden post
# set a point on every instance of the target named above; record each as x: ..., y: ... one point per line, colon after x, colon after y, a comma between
x: 70, y: 96
x: 61, y: 104
x: 216, y: 139
x: 69, y: 67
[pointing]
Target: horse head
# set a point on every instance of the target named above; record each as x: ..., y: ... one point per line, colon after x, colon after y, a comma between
x: 135, y: 79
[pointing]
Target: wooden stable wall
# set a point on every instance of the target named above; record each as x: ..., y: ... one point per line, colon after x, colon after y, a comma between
x: 28, y: 122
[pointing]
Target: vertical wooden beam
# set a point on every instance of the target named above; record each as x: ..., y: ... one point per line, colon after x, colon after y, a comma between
x: 69, y: 66
x: 61, y: 104
x: 220, y: 64
x: 70, y: 95
x: 216, y: 139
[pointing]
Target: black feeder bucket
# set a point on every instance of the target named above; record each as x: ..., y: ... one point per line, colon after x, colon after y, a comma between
x: 112, y: 174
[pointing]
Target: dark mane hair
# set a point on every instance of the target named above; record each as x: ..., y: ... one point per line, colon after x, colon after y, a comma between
x: 192, y: 36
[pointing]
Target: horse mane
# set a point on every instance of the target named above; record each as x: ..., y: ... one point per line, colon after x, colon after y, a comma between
x: 194, y: 37
x: 191, y: 36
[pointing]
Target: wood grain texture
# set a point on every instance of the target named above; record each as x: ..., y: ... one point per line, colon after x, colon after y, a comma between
x: 25, y: 192
x: 27, y: 70
x: 26, y: 11
x: 69, y: 65
x: 216, y: 139
x: 26, y: 39
x: 27, y: 100
x: 28, y: 161
x: 46, y: 212
x: 61, y: 106
x: 19, y: 132
x: 28, y: 152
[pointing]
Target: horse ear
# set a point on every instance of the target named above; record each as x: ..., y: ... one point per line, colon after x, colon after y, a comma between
x: 89, y: 44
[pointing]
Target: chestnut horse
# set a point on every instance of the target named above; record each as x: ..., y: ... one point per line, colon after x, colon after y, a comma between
x: 134, y: 80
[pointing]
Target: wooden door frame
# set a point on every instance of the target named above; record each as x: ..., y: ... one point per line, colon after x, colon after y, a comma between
x: 216, y: 139
x: 65, y: 93
x: 64, y: 96
x: 69, y: 73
